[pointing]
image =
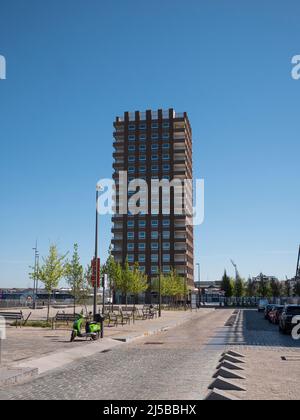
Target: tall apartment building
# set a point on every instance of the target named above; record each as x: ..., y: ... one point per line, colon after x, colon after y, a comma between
x: 154, y: 145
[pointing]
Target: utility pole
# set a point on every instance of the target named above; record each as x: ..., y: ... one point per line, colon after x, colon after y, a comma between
x: 199, y: 283
x: 35, y: 276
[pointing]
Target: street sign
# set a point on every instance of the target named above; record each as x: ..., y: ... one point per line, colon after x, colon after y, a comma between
x: 95, y: 272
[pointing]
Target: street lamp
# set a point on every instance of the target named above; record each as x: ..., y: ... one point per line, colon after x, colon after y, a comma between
x: 159, y: 278
x: 199, y: 284
x: 98, y: 188
x: 35, y: 275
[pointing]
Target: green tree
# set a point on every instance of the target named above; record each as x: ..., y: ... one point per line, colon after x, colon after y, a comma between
x: 227, y: 285
x: 110, y: 268
x: 251, y: 288
x: 264, y: 289
x: 51, y: 272
x: 287, y: 290
x: 123, y: 279
x: 239, y: 287
x: 276, y: 288
x: 138, y: 283
x: 75, y: 274
x: 297, y: 288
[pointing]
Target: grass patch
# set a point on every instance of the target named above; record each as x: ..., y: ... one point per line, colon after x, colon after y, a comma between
x: 34, y: 324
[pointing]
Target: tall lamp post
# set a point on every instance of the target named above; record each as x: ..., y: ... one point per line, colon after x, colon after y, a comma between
x: 98, y: 188
x: 159, y: 278
x: 199, y: 283
x: 35, y: 279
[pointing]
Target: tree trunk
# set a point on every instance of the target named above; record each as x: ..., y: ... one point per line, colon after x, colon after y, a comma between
x: 48, y: 310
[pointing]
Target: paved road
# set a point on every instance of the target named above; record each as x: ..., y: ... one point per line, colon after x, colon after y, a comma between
x: 172, y: 365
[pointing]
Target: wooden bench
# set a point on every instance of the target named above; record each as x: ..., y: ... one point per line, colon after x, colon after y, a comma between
x: 16, y: 317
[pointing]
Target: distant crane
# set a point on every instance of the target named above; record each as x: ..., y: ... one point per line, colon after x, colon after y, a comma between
x: 298, y: 267
x: 236, y: 270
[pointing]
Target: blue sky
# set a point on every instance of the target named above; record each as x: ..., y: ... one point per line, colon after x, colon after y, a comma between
x: 72, y: 66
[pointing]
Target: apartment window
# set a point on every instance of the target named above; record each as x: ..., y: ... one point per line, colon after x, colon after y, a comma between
x: 167, y: 177
x: 166, y: 258
x: 154, y: 246
x: 142, y: 169
x: 154, y: 147
x: 166, y: 223
x: 166, y: 168
x: 131, y: 127
x: 154, y: 157
x: 142, y: 223
x: 154, y: 136
x: 143, y: 148
x: 166, y: 269
x: 154, y: 125
x: 130, y: 224
x: 130, y: 247
x: 166, y: 136
x: 142, y: 258
x: 131, y: 148
x: 142, y: 158
x: 130, y: 235
x: 142, y: 246
x: 166, y: 234
x: 166, y: 246
x: 142, y: 235
x: 131, y: 137
x: 143, y: 126
x: 131, y: 158
x: 166, y: 157
x: 131, y: 169
x: 142, y: 268
x: 166, y: 146
x: 154, y: 168
x: 154, y: 269
x: 154, y: 235
x: 130, y: 258
x: 166, y: 125
x: 154, y: 258
x: 154, y: 223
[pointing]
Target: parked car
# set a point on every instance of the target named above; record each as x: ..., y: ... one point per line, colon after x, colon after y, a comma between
x: 286, y: 319
x: 275, y: 314
x: 269, y: 308
x: 262, y: 304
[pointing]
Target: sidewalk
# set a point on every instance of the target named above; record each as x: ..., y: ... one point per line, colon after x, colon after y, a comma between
x: 46, y: 349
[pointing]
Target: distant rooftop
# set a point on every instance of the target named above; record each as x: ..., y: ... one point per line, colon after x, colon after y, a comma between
x: 154, y: 115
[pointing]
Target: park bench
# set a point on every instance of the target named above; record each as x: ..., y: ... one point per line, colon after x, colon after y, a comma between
x: 63, y: 318
x: 148, y: 312
x: 16, y: 317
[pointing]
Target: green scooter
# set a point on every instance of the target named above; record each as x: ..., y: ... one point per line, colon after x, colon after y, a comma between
x: 93, y: 329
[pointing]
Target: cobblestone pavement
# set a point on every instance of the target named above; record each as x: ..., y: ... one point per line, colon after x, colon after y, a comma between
x: 171, y: 365
x: 254, y: 331
x: 268, y: 376
x: 23, y: 344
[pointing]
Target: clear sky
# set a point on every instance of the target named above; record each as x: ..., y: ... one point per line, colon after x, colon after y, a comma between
x: 73, y: 65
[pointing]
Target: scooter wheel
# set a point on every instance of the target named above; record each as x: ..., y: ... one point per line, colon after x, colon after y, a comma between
x: 94, y: 337
x: 72, y: 337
